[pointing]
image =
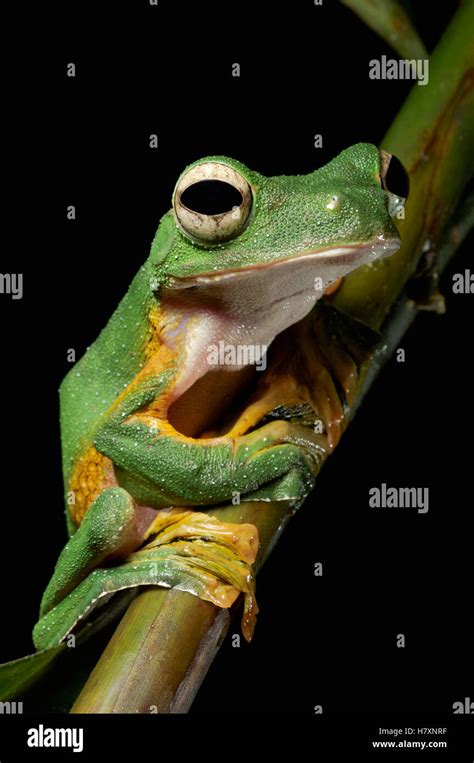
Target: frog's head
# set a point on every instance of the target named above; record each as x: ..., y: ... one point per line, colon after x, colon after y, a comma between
x: 244, y: 244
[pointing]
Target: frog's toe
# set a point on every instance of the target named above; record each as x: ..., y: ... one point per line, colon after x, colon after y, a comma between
x: 292, y: 487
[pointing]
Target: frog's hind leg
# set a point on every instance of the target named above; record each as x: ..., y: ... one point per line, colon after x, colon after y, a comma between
x: 112, y: 527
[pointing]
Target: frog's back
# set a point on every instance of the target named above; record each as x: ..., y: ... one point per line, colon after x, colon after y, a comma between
x: 107, y: 367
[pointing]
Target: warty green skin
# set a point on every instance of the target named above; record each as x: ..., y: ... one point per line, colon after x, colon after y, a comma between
x: 290, y: 217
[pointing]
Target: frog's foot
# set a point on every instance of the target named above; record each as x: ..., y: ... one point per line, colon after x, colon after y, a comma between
x: 112, y: 528
x: 187, y: 550
x: 281, y: 459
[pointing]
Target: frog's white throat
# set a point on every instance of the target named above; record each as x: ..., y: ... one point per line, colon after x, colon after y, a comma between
x: 233, y: 316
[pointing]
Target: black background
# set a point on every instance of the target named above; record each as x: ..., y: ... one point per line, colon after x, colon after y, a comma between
x: 327, y: 640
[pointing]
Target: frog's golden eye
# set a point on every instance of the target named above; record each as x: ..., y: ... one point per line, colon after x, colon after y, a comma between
x: 212, y: 202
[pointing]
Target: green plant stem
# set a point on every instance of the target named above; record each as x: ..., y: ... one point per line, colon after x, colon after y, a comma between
x: 433, y: 135
x: 390, y: 21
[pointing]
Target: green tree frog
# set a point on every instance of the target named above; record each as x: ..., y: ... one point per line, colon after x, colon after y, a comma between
x: 237, y: 260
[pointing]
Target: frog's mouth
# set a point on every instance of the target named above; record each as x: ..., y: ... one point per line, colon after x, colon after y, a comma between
x: 324, y: 263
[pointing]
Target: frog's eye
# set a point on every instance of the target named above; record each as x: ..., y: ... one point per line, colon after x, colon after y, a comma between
x: 394, y: 176
x: 212, y: 202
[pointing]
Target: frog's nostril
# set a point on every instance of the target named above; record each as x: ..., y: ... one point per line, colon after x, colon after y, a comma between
x: 333, y: 203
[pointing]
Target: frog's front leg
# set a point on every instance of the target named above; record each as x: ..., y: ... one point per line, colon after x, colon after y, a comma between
x: 161, y: 467
x: 111, y: 528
